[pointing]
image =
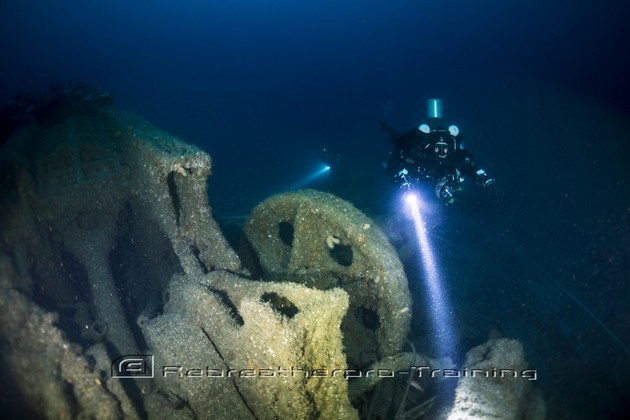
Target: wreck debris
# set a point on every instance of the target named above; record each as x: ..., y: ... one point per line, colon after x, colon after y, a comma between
x: 266, y: 350
x: 108, y: 247
x: 319, y: 240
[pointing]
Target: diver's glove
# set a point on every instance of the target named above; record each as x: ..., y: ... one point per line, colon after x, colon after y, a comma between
x: 444, y: 191
x: 482, y: 178
x: 404, y: 180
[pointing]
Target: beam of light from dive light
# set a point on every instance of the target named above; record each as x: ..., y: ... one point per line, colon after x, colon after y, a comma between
x: 304, y: 182
x: 437, y: 299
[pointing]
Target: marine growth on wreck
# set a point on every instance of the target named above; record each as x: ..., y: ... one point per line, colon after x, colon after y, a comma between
x: 120, y: 296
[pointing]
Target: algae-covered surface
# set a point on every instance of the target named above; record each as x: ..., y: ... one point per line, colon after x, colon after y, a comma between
x: 195, y: 221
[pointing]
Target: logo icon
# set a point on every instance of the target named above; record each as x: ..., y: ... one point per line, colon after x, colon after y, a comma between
x: 133, y: 366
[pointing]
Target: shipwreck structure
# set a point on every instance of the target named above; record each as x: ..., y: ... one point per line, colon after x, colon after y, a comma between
x: 108, y: 250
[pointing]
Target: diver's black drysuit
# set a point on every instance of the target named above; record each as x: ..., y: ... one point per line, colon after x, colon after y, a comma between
x: 432, y: 155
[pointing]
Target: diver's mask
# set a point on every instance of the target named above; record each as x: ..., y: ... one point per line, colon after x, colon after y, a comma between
x: 440, y: 149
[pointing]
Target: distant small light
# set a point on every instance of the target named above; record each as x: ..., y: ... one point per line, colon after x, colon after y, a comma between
x: 322, y: 169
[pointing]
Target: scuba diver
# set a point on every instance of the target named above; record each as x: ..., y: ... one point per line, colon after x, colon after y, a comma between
x: 432, y: 154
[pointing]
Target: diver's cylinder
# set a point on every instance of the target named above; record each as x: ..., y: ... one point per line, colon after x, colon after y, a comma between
x: 434, y: 108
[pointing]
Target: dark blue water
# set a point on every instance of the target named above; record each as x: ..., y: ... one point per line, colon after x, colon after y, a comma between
x: 539, y: 90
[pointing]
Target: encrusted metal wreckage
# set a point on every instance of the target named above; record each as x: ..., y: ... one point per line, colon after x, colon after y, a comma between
x: 109, y: 248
